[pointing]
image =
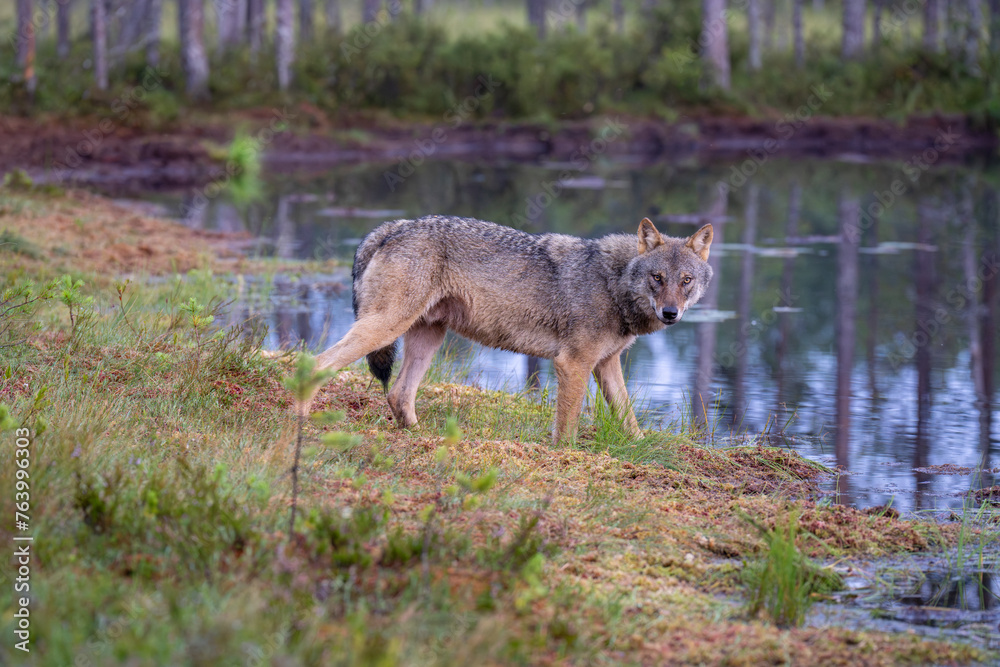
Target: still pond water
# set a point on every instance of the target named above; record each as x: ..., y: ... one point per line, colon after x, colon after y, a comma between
x: 852, y: 318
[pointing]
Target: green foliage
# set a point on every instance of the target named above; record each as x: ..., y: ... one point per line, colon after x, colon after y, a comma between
x: 416, y: 66
x: 783, y: 581
x: 7, y: 422
x: 19, y: 304
x: 189, y: 511
x: 306, y: 380
x: 245, y: 186
x: 17, y: 179
x: 79, y: 305
x: 14, y: 242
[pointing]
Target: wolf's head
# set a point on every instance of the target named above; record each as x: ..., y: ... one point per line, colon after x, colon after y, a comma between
x: 669, y: 274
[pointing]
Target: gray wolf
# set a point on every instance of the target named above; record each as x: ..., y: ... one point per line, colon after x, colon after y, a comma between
x: 579, y: 302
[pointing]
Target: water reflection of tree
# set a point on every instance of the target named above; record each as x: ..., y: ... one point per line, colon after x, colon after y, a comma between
x: 981, y: 321
x: 785, y: 318
x: 845, y: 326
x: 924, y: 281
x: 706, y: 331
x: 740, y: 404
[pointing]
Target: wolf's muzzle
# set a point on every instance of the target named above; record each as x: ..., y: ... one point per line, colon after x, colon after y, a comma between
x: 668, y: 315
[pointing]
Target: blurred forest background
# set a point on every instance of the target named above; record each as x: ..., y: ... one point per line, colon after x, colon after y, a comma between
x: 553, y: 59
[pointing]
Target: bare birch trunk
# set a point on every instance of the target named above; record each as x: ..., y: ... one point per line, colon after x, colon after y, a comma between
x: 995, y: 27
x: 256, y: 24
x: 714, y: 41
x: 63, y: 10
x: 226, y: 24
x: 536, y: 16
x: 797, y: 36
x: 753, y: 24
x: 99, y: 23
x: 306, y: 13
x: 333, y: 19
x: 854, y: 28
x: 931, y: 40
x: 973, y: 28
x: 26, y: 46
x: 618, y: 12
x: 194, y: 59
x: 369, y: 10
x: 151, y: 30
x: 284, y: 36
x: 877, y: 24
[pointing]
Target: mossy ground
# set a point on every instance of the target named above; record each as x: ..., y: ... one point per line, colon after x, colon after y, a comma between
x: 160, y: 493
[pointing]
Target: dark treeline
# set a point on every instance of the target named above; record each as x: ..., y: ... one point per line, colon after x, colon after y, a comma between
x: 893, y: 57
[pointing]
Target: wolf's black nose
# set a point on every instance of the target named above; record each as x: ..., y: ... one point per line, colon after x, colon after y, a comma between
x: 669, y: 313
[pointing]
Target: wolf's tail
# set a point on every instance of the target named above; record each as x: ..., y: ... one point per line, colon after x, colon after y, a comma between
x: 380, y: 363
x: 381, y: 360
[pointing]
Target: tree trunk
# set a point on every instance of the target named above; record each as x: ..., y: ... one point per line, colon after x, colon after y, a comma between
x: 130, y: 35
x: 931, y: 40
x: 753, y: 25
x: 284, y: 36
x: 306, y: 13
x: 854, y: 28
x: 995, y: 27
x: 618, y: 11
x: 99, y: 23
x: 536, y: 16
x: 973, y: 28
x: 951, y: 21
x: 256, y: 24
x: 770, y: 15
x: 194, y: 59
x: 151, y: 30
x: 714, y: 41
x: 226, y: 24
x: 781, y: 30
x: 333, y: 20
x: 369, y: 10
x: 877, y: 24
x: 63, y: 11
x: 798, y: 38
x: 42, y: 26
x: 581, y: 17
x: 26, y: 46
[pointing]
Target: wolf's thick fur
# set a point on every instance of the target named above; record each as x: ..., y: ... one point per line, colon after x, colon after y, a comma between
x: 579, y: 302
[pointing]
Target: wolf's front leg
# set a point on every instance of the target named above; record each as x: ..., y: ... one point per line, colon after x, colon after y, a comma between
x: 571, y: 373
x: 611, y: 380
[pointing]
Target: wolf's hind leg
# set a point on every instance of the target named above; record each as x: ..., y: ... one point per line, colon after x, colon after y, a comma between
x: 611, y: 380
x: 419, y: 345
x: 369, y: 333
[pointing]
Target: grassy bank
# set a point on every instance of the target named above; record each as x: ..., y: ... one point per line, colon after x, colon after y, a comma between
x: 160, y: 488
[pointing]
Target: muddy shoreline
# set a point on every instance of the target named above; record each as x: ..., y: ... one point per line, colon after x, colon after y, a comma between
x: 97, y: 153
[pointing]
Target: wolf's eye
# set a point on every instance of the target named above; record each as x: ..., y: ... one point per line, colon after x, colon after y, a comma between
x: 687, y: 280
x: 658, y: 278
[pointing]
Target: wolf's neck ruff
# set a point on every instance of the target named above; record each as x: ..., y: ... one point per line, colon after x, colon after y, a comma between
x: 578, y: 302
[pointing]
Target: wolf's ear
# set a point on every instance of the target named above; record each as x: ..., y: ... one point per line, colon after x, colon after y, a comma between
x: 649, y: 238
x: 701, y: 241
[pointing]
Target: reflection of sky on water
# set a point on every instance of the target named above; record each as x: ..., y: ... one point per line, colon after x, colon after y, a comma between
x: 838, y: 336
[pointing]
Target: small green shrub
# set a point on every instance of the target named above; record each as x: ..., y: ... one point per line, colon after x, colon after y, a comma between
x: 783, y: 581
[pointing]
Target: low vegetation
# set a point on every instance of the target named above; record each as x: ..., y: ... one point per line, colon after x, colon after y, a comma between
x: 162, y: 449
x: 416, y: 68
